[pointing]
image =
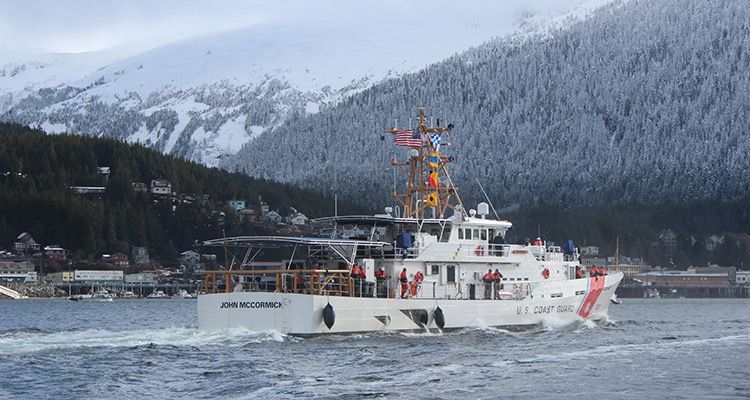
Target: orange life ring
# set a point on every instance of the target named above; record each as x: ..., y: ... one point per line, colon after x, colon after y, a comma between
x: 545, y: 273
x: 480, y: 250
x: 413, y: 288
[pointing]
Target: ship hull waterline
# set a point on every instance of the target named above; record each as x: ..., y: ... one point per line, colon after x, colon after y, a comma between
x: 303, y: 314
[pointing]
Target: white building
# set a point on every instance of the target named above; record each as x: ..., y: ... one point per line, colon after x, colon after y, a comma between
x: 18, y: 270
x: 743, y: 278
x: 591, y: 251
x: 161, y: 186
x: 97, y: 276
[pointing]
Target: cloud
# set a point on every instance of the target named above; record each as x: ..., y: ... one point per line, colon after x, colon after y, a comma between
x: 86, y: 25
x: 90, y: 25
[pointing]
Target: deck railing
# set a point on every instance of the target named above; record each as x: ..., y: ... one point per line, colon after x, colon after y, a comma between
x: 309, y: 281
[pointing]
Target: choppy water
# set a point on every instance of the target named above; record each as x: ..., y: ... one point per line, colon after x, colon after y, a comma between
x: 649, y: 348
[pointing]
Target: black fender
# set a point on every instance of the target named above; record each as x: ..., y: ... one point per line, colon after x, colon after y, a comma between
x: 329, y: 316
x: 439, y: 318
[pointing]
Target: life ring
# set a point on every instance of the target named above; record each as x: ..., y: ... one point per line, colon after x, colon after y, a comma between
x: 545, y: 273
x: 479, y: 251
x: 413, y: 288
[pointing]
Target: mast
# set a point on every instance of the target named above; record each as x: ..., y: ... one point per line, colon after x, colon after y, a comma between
x: 428, y: 183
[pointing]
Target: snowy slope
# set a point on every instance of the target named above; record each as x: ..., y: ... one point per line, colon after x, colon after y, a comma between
x: 644, y: 102
x: 204, y: 97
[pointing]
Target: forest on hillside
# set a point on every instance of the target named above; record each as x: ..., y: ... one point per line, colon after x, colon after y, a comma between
x: 644, y: 102
x: 637, y: 229
x: 37, y: 171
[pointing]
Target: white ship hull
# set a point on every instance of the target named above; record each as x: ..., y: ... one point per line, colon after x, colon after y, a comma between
x: 302, y: 314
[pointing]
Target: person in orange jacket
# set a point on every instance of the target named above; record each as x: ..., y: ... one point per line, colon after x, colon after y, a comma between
x: 594, y: 272
x: 497, y: 277
x: 404, y: 283
x: 488, y: 279
x: 356, y: 272
x: 380, y: 282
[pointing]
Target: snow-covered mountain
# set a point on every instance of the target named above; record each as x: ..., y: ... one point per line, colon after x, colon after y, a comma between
x: 204, y: 97
x: 644, y: 102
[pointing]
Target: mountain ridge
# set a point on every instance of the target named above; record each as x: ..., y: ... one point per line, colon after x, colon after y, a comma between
x: 203, y: 97
x: 640, y: 103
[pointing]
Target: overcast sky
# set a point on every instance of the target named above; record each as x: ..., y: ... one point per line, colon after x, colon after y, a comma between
x: 33, y: 26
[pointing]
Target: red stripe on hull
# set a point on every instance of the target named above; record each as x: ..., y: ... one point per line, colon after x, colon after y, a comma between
x: 595, y: 289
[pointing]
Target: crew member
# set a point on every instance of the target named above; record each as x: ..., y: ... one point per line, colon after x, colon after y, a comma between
x: 404, y: 283
x: 497, y: 244
x: 488, y: 279
x: 497, y: 277
x: 380, y: 282
x: 528, y: 243
x: 579, y: 272
x: 594, y: 272
x: 538, y: 242
x: 356, y: 274
x: 603, y: 271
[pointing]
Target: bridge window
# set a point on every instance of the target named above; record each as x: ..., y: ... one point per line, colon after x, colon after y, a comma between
x: 484, y: 234
x: 460, y: 233
x: 476, y: 234
x: 435, y: 269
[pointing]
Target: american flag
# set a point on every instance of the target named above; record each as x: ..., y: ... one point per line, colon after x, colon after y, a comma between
x: 408, y: 138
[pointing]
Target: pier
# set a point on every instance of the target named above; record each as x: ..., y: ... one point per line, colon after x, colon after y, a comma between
x: 631, y: 291
x: 139, y: 289
x: 9, y: 292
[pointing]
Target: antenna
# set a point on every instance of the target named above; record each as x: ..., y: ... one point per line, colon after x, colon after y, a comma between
x: 487, y: 197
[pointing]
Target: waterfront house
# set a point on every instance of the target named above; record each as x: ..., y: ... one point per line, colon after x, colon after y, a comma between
x: 140, y: 256
x: 297, y: 218
x: 273, y: 218
x: 140, y: 187
x: 668, y: 239
x: 263, y: 206
x: 161, y: 187
x: 189, y: 258
x: 120, y: 260
x: 25, y: 244
x: 54, y: 252
x: 237, y: 205
x: 16, y: 269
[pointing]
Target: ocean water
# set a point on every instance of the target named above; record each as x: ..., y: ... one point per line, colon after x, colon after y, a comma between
x: 124, y: 349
